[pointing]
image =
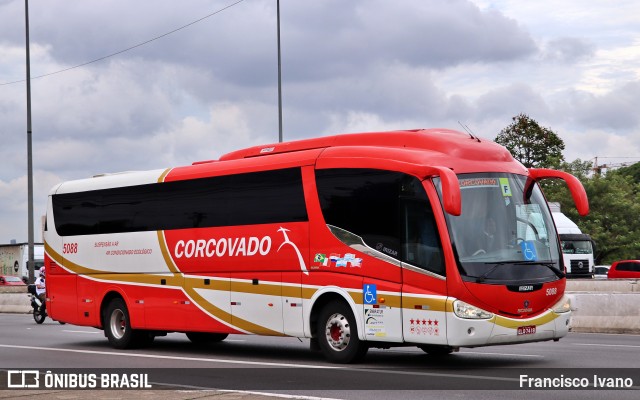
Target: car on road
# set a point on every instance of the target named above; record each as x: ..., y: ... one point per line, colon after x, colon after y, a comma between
x: 600, y: 271
x: 8, y: 280
x: 624, y: 269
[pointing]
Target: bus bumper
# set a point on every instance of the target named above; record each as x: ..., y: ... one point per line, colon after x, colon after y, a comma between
x: 503, y: 330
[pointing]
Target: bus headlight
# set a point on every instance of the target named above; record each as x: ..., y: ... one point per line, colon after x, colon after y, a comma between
x: 563, y: 306
x: 467, y: 311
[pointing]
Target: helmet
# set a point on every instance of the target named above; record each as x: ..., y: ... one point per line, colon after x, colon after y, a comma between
x: 42, y: 272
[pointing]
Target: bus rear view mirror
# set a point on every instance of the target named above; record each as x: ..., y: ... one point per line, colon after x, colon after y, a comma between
x: 575, y: 186
x: 451, y: 198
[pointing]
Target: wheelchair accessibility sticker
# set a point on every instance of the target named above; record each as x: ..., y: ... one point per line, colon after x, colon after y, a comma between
x: 528, y: 250
x: 369, y: 294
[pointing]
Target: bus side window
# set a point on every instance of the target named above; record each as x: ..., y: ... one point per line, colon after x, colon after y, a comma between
x: 365, y: 203
x: 421, y: 242
x: 389, y: 210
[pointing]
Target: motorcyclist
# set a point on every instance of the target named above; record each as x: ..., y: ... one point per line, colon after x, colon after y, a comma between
x: 41, y: 289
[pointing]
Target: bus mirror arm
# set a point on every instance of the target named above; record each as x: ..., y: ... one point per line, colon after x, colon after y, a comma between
x: 575, y: 186
x: 451, y: 198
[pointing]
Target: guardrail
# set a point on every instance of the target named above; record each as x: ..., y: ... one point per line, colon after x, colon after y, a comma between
x: 14, y: 299
x: 605, y: 306
x: 602, y: 306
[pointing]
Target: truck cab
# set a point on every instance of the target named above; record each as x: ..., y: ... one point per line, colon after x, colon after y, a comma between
x: 577, y: 247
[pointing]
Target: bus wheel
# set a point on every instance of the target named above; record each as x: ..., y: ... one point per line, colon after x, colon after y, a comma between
x: 437, y: 351
x: 338, y: 334
x: 206, y: 337
x: 117, y: 326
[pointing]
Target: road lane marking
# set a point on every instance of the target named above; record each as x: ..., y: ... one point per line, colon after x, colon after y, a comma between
x: 473, y: 353
x: 503, y: 354
x: 140, y: 355
x: 605, y: 345
x: 261, y: 363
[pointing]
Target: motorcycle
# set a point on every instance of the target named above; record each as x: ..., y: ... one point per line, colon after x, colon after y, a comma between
x: 39, y: 309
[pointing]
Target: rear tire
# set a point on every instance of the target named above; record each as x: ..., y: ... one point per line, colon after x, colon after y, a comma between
x: 117, y: 327
x: 206, y: 337
x: 337, y: 334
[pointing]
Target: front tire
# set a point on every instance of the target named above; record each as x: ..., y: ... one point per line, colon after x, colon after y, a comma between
x: 117, y: 327
x: 337, y: 334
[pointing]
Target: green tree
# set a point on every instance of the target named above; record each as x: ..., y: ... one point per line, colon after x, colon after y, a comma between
x: 632, y: 171
x: 614, y: 204
x: 531, y: 144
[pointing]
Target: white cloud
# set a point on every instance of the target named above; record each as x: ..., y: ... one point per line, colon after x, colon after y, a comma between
x: 13, y: 197
x: 347, y: 66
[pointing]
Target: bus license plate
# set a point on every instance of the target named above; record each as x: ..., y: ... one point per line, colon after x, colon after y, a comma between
x: 526, y: 330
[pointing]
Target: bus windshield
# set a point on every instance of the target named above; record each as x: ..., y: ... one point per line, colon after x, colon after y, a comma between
x: 505, y: 233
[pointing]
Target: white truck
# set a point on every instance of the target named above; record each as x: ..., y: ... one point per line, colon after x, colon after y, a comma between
x: 14, y: 257
x: 577, y: 247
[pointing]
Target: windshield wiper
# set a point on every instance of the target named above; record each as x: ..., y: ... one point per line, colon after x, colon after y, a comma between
x: 550, y: 265
x: 484, y: 276
x: 497, y: 264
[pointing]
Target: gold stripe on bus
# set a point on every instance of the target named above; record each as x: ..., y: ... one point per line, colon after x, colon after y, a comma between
x: 66, y: 263
x: 164, y: 175
x: 357, y: 297
x: 170, y: 280
x: 189, y: 284
x: 218, y: 313
x: 292, y: 291
x: 390, y: 300
x: 514, y: 324
x: 308, y: 292
x: 268, y: 288
x: 165, y: 253
x: 228, y: 318
x: 214, y: 283
x: 449, y: 305
x: 173, y: 281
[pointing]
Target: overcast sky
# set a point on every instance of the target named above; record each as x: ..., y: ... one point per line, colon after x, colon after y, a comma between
x: 348, y: 66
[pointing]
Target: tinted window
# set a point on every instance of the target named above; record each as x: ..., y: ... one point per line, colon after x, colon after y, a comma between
x: 628, y: 266
x: 364, y: 203
x: 388, y: 210
x: 623, y: 267
x: 243, y: 199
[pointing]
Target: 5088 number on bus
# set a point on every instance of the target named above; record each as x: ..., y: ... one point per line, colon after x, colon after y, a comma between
x: 70, y: 248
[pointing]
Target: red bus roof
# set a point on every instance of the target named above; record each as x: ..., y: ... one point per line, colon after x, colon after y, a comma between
x: 458, y: 151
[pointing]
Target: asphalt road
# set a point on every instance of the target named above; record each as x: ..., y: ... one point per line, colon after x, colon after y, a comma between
x: 261, y: 367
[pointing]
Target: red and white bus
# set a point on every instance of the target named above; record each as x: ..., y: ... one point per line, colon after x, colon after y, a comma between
x: 431, y: 238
